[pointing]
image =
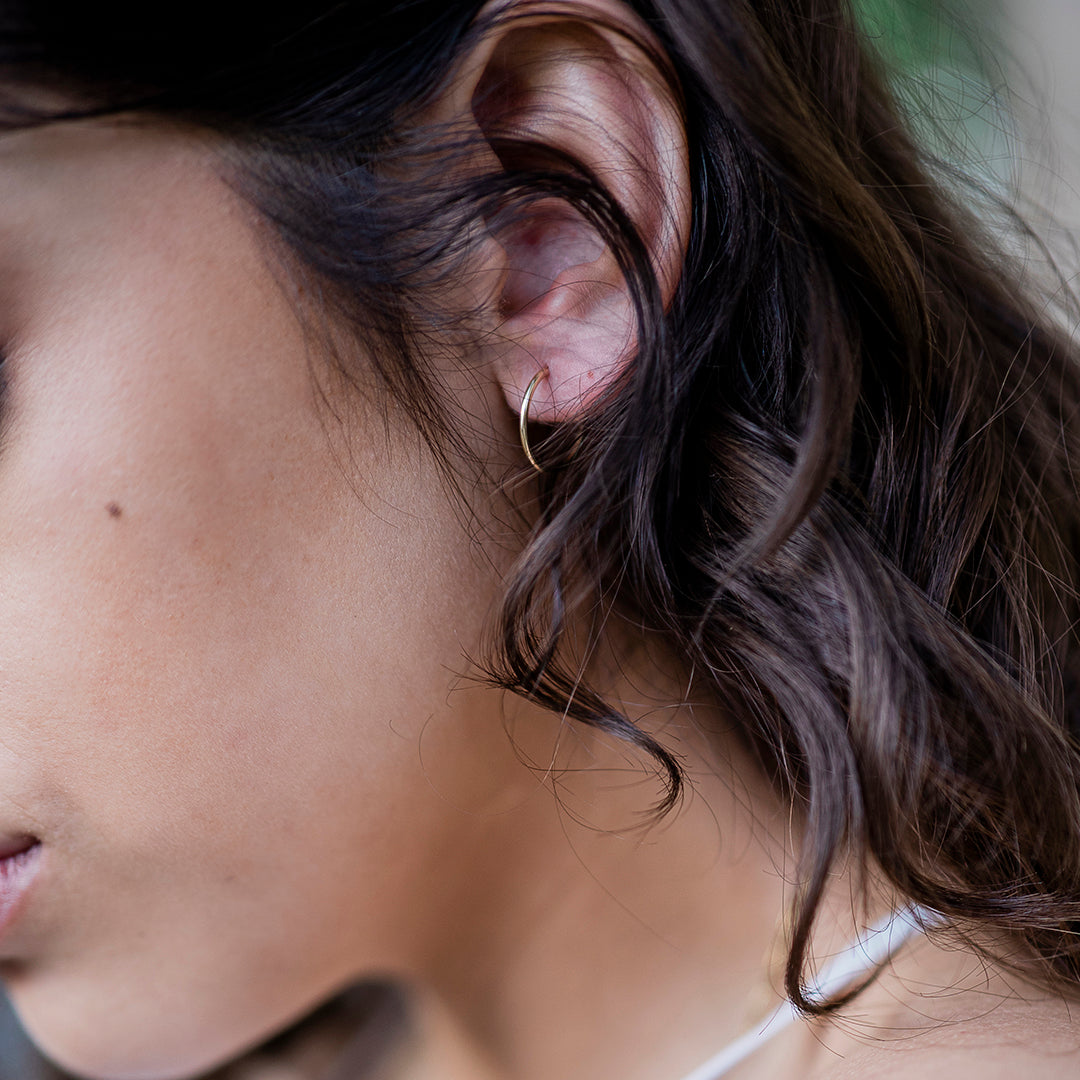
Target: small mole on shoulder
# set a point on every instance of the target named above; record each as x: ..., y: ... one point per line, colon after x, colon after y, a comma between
x: 114, y: 509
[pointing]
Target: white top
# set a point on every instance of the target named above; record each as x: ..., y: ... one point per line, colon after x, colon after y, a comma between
x: 872, y: 948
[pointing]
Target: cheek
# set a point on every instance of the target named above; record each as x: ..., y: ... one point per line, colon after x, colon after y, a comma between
x: 219, y: 731
x: 212, y: 703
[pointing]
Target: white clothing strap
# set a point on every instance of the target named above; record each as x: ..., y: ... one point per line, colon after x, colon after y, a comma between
x: 871, y: 948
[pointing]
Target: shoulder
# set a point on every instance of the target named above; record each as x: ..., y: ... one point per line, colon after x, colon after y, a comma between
x: 944, y: 1015
x: 1045, y: 1046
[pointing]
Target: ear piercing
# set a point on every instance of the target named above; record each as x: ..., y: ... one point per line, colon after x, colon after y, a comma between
x: 523, y: 416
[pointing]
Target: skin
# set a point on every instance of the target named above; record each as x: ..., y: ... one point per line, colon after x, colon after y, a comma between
x: 183, y: 680
x: 231, y: 643
x: 230, y: 665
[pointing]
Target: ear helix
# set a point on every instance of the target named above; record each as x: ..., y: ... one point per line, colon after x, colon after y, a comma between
x: 571, y: 87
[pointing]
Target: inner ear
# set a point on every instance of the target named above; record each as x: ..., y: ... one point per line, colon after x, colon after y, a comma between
x: 524, y: 101
x: 567, y: 93
x: 533, y: 74
x: 546, y: 240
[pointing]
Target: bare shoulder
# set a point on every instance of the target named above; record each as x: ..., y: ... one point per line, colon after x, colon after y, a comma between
x: 987, y: 1048
x: 945, y: 1016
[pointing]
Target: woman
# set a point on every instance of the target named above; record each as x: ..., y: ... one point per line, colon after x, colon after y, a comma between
x: 541, y: 504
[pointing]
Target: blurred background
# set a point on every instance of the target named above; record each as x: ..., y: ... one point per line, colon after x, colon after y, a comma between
x: 993, y: 88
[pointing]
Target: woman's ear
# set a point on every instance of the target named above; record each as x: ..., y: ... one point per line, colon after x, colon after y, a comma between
x: 574, y: 86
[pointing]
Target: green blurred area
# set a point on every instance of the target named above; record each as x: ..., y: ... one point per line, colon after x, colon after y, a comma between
x: 919, y: 36
x: 907, y: 31
x: 945, y: 65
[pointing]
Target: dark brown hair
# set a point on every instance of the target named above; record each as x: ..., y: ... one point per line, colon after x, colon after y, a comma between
x: 839, y: 476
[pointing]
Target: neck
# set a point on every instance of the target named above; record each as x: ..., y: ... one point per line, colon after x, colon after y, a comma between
x: 605, y: 947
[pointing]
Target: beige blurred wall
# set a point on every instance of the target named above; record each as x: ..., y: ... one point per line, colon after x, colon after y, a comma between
x: 1043, y: 38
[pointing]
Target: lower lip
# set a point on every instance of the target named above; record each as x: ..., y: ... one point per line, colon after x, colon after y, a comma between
x: 17, y: 872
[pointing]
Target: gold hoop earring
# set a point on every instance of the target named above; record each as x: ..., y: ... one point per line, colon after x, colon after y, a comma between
x: 523, y: 416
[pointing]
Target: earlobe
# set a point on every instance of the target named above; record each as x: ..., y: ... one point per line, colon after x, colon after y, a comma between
x: 575, y: 91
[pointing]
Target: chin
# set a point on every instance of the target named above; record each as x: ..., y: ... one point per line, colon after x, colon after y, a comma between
x: 122, y: 1058
x: 99, y: 1040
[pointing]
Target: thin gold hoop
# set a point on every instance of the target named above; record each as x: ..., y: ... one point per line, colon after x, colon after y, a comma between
x: 523, y: 416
